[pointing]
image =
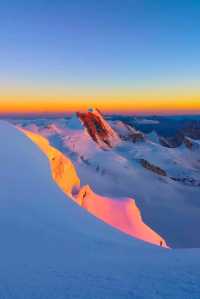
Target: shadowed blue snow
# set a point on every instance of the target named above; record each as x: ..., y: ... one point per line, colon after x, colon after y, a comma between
x: 51, y: 248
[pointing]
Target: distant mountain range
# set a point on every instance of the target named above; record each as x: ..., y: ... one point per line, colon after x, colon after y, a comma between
x: 154, y: 160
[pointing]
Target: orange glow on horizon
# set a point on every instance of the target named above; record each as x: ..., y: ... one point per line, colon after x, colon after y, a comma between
x: 146, y: 102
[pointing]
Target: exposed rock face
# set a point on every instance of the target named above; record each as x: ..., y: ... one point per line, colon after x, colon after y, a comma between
x: 178, y: 140
x: 172, y: 142
x: 97, y: 127
x: 136, y: 136
x: 192, y: 130
x: 156, y: 169
x: 152, y: 167
x: 127, y: 132
x: 188, y: 143
x: 187, y: 181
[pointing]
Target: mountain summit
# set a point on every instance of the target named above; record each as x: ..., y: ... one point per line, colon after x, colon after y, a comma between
x: 99, y: 129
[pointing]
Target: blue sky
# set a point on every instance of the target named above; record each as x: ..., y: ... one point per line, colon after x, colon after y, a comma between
x: 115, y: 45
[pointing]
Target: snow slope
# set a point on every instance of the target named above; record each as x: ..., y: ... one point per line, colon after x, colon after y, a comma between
x: 117, y: 173
x: 123, y: 215
x: 153, y: 136
x: 127, y: 132
x: 62, y: 169
x: 51, y: 248
x: 74, y: 123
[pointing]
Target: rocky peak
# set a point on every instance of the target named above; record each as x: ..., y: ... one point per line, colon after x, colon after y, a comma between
x: 127, y: 132
x: 98, y: 128
x: 172, y: 142
x: 192, y: 130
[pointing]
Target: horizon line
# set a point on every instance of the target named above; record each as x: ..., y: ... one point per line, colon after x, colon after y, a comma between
x: 107, y: 113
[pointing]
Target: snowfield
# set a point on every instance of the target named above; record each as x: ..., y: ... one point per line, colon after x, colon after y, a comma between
x: 121, y: 214
x: 169, y: 204
x: 52, y: 248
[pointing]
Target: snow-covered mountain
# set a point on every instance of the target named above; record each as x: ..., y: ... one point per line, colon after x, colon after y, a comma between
x: 163, y: 180
x: 99, y: 129
x: 123, y: 215
x: 127, y: 132
x: 53, y: 248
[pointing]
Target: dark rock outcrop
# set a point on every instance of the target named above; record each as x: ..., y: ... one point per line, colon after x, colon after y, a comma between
x: 172, y: 142
x: 137, y: 136
x: 188, y: 143
x: 127, y: 132
x: 152, y: 167
x: 192, y: 130
x: 187, y: 181
x: 99, y: 130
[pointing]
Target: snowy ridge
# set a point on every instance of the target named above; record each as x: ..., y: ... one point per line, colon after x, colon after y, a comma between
x: 62, y: 169
x: 51, y: 248
x: 127, y: 132
x: 99, y: 129
x: 119, y: 173
x: 123, y: 215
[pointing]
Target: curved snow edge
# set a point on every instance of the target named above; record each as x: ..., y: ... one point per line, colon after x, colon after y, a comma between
x: 123, y: 215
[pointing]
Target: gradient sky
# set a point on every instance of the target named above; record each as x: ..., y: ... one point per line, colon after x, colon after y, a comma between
x: 136, y: 56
